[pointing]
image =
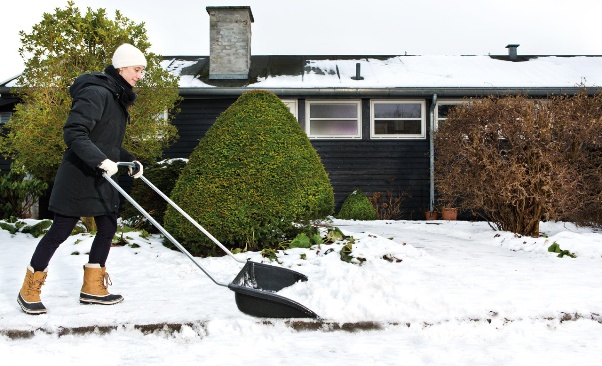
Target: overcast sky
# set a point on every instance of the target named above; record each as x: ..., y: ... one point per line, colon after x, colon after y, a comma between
x: 331, y: 27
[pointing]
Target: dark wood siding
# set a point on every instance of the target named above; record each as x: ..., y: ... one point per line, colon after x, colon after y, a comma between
x: 6, y: 105
x: 195, y: 118
x: 396, y: 166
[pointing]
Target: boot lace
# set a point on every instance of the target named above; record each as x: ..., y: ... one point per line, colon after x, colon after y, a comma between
x: 35, y: 286
x: 106, y: 281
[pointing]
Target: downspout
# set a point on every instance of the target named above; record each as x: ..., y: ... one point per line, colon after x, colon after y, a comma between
x: 432, y: 155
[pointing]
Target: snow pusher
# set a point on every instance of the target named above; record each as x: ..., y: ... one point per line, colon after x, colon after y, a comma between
x: 256, y: 284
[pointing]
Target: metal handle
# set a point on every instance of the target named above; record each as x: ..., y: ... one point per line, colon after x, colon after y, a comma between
x: 157, y: 225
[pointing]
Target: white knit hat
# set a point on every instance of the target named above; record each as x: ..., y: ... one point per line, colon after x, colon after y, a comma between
x: 128, y: 55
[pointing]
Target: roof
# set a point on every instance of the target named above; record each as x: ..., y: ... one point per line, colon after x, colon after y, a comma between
x: 399, y: 72
x: 465, y: 75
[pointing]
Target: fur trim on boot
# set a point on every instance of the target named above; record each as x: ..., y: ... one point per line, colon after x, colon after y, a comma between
x: 94, y: 290
x: 29, y: 296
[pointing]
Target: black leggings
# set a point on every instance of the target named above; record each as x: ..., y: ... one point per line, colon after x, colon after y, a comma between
x: 61, y: 228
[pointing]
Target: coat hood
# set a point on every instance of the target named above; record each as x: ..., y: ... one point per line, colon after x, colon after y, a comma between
x: 93, y: 79
x: 126, y: 97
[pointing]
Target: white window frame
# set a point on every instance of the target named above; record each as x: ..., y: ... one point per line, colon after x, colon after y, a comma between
x: 292, y: 106
x: 358, y: 119
x: 422, y: 119
x: 161, y: 117
x: 445, y: 102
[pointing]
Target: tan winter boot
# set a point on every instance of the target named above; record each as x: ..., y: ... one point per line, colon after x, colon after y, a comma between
x: 94, y: 290
x: 29, y: 296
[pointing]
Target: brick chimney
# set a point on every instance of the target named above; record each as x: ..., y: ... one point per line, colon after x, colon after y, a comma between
x: 512, y: 54
x: 230, y: 42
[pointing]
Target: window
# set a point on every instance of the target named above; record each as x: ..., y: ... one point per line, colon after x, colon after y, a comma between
x: 292, y: 106
x: 443, y: 108
x: 333, y: 119
x: 161, y: 119
x: 398, y: 119
x: 4, y: 117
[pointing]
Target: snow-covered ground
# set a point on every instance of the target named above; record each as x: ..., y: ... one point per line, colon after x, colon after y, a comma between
x: 451, y: 293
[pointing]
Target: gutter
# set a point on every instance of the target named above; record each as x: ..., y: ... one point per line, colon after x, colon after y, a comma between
x: 432, y: 155
x: 379, y: 92
x: 387, y: 92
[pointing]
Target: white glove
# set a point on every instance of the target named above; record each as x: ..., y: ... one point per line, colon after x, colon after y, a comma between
x: 108, y: 166
x: 136, y: 172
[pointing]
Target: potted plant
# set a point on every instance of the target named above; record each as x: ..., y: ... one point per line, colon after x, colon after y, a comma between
x: 431, y: 215
x: 449, y: 213
x: 430, y: 212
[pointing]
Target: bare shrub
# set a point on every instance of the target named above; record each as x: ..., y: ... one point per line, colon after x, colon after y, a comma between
x: 515, y: 161
x: 582, y: 115
x: 388, y: 204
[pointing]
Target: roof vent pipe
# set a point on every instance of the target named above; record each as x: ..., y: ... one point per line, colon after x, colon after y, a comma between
x: 358, y: 72
x: 512, y: 54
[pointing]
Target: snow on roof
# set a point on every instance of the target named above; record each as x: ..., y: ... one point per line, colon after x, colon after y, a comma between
x: 397, y: 72
x: 413, y: 71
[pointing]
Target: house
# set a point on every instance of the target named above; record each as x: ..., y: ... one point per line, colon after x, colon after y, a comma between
x: 370, y: 117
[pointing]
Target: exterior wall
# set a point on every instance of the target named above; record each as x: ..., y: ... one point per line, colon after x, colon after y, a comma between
x: 396, y: 167
x: 5, y: 163
x: 195, y: 118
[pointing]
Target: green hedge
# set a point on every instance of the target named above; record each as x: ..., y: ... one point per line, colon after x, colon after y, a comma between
x: 252, y: 176
x: 357, y: 207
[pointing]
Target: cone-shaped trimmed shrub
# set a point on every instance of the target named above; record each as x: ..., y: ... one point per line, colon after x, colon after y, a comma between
x: 253, y: 175
x: 357, y: 207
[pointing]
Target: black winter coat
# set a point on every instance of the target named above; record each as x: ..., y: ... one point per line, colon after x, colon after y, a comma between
x: 93, y: 132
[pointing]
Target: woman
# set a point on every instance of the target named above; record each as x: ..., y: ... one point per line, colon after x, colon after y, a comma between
x: 94, y: 133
